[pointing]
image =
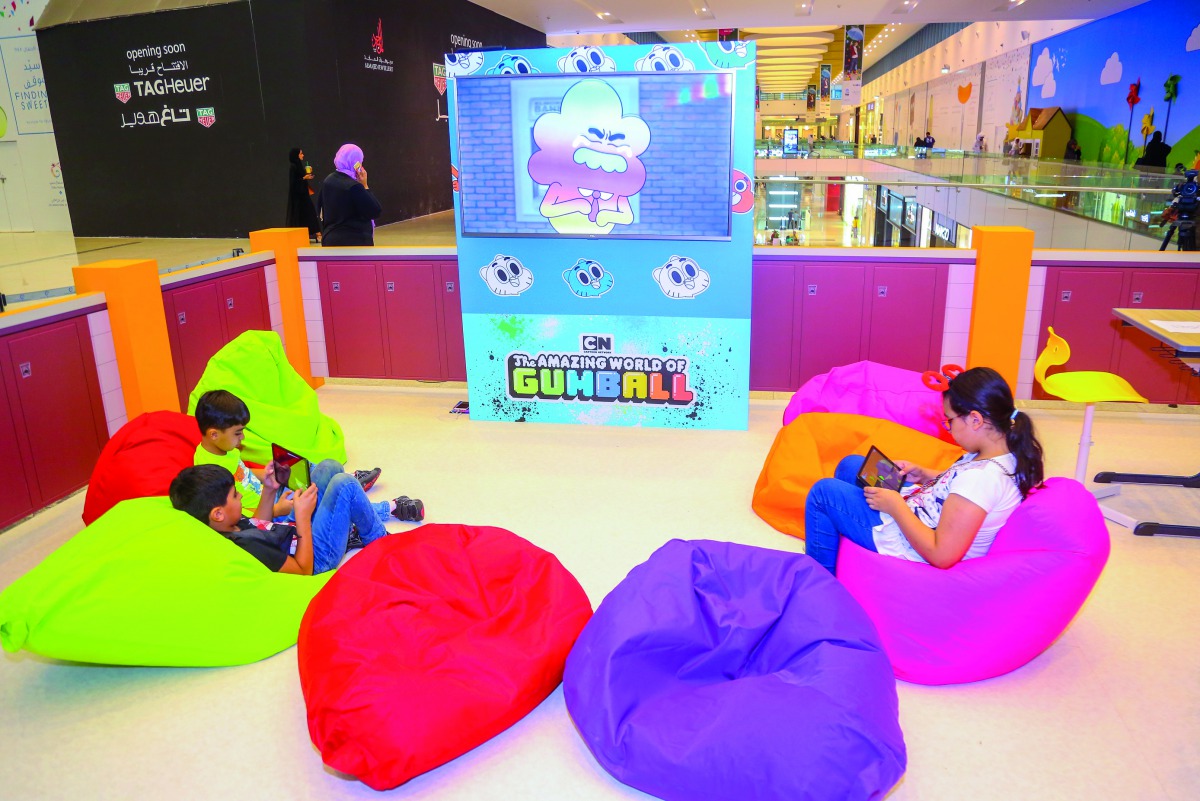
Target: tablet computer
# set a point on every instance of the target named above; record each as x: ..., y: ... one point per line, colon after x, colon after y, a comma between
x: 286, y: 463
x: 879, y: 471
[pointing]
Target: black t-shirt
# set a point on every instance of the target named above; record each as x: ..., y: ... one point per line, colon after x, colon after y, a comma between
x: 269, y: 545
x: 347, y: 210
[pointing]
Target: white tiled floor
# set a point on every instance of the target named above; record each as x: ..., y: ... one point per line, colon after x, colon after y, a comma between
x: 1110, y: 711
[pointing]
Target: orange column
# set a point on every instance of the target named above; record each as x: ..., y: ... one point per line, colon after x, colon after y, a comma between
x: 1003, y: 259
x: 285, y: 242
x: 139, y: 327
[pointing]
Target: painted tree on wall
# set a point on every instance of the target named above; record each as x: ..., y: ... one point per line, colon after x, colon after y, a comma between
x: 1133, y: 98
x: 1170, y: 92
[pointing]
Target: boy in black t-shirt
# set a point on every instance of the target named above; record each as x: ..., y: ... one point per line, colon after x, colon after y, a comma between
x: 321, y: 533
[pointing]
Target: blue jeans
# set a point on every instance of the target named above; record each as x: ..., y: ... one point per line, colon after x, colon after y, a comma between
x: 836, y: 507
x: 320, y: 475
x: 343, y: 502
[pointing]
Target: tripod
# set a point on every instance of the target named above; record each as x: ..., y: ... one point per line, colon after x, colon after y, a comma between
x: 1187, y: 233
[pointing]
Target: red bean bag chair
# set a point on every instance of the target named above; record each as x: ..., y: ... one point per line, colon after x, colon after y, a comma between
x: 140, y: 460
x: 429, y: 643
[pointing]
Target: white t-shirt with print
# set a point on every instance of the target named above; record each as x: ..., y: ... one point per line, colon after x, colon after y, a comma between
x: 990, y: 484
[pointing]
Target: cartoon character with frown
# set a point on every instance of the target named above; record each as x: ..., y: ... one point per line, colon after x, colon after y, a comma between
x: 588, y: 157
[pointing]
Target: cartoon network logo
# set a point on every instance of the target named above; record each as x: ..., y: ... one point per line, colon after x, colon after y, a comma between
x: 596, y: 375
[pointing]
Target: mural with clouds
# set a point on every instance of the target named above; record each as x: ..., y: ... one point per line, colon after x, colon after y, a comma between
x: 1091, y: 73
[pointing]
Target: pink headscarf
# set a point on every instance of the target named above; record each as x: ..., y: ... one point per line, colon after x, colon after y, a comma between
x: 346, y: 158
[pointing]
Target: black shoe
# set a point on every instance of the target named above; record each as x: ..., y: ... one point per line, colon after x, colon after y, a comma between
x: 409, y: 510
x: 367, y: 478
x: 354, y: 541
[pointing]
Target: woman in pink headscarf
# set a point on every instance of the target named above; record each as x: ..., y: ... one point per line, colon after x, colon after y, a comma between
x: 347, y: 207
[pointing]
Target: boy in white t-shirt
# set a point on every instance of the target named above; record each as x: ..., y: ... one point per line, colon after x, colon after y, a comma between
x: 944, y: 517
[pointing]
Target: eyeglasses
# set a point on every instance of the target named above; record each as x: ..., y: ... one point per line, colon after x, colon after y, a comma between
x: 946, y: 421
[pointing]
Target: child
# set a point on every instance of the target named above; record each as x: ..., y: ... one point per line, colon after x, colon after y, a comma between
x: 208, y: 493
x: 222, y: 418
x: 952, y: 515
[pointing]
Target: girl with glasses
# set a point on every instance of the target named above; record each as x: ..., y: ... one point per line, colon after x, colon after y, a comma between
x: 938, y: 518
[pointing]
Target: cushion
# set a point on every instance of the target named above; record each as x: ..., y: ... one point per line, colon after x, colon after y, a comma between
x: 873, y: 390
x: 148, y: 585
x: 140, y: 460
x: 986, y: 616
x: 283, y: 407
x: 810, y: 447
x: 427, y: 644
x: 723, y: 671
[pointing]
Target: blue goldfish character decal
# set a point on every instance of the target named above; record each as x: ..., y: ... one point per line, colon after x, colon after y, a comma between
x: 464, y: 63
x: 512, y: 65
x: 588, y: 279
x: 586, y: 58
x: 727, y: 55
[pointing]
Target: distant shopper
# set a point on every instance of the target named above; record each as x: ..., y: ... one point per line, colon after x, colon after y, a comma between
x: 775, y: 240
x: 919, y: 147
x: 929, y: 140
x: 1074, y: 151
x: 348, y: 208
x: 1156, y: 152
x: 980, y: 144
x: 300, y: 211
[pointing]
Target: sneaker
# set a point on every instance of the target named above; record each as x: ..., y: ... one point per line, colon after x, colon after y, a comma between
x: 367, y: 478
x: 354, y: 541
x: 409, y: 510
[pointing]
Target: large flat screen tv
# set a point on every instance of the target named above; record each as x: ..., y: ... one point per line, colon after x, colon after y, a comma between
x: 627, y: 155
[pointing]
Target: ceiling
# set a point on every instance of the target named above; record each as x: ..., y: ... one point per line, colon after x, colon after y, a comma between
x: 888, y: 23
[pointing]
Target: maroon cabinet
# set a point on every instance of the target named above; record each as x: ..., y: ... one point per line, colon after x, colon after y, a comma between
x: 54, y: 425
x: 771, y: 324
x: 830, y: 317
x: 1141, y: 360
x: 807, y: 318
x: 399, y: 319
x: 203, y: 316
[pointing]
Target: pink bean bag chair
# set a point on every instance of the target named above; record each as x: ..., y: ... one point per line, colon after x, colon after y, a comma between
x: 872, y: 390
x: 985, y: 617
x: 140, y: 460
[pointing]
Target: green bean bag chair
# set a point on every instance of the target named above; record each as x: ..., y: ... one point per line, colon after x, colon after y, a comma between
x: 148, y: 585
x: 283, y: 407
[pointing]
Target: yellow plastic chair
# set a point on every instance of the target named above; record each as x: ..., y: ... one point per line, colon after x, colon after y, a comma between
x: 1082, y: 386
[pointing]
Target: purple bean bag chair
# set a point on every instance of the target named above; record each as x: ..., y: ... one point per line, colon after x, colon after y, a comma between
x: 723, y: 671
x: 986, y: 616
x: 872, y: 390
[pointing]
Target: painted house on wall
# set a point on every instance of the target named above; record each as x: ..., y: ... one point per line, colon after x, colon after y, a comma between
x: 1044, y: 133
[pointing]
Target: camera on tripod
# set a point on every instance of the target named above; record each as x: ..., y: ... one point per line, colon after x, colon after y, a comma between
x: 1181, y: 213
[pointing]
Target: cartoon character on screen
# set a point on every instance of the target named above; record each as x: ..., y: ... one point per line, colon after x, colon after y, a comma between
x: 664, y: 58
x: 588, y: 279
x: 742, y: 196
x: 506, y: 276
x: 586, y: 59
x: 465, y: 63
x: 727, y: 55
x: 681, y: 278
x: 512, y: 65
x: 588, y: 158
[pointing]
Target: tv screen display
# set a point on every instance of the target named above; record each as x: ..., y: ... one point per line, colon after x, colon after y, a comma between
x: 791, y: 141
x: 628, y: 155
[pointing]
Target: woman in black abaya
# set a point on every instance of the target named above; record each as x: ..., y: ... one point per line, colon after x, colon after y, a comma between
x: 300, y: 211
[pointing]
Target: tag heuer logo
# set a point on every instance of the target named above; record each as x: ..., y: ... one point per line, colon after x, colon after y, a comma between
x: 122, y: 92
x: 439, y: 78
x: 206, y: 116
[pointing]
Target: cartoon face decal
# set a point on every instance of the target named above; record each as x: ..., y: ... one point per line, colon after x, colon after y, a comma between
x: 586, y: 59
x: 742, y: 195
x: 663, y: 58
x: 588, y: 157
x: 727, y: 55
x: 512, y: 65
x: 506, y: 276
x: 464, y: 63
x: 681, y: 278
x: 588, y: 279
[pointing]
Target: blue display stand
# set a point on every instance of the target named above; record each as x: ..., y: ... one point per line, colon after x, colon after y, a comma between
x: 603, y: 206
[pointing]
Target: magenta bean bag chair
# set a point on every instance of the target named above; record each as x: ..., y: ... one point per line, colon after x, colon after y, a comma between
x: 872, y: 390
x: 431, y: 642
x: 141, y: 460
x: 985, y: 617
x: 719, y: 671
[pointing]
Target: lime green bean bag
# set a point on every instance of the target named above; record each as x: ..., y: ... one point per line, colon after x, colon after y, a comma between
x: 283, y: 407
x: 148, y: 585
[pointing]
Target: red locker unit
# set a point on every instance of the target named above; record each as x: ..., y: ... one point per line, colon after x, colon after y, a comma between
x: 350, y: 306
x: 54, y: 426
x: 452, y: 324
x: 771, y: 323
x: 203, y: 315
x: 1141, y: 359
x: 829, y: 315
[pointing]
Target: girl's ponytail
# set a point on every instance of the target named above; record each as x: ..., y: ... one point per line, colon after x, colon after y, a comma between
x: 1023, y: 444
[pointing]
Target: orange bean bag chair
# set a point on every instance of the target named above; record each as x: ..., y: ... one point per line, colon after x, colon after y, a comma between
x: 140, y: 460
x: 431, y: 642
x: 809, y: 448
